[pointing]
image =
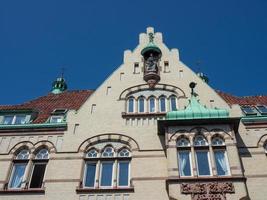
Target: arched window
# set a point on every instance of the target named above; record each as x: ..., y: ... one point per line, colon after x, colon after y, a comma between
x: 152, y: 104
x: 141, y: 104
x: 183, y: 142
x: 202, y: 156
x: 108, y: 152
x: 173, y: 103
x: 184, y: 157
x: 18, y: 170
x: 220, y: 156
x: 162, y: 104
x: 38, y: 170
x: 265, y: 147
x: 200, y: 141
x: 124, y: 168
x: 130, y: 105
x: 103, y: 168
x: 91, y: 154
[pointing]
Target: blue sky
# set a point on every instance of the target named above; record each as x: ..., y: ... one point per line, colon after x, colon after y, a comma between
x: 88, y: 37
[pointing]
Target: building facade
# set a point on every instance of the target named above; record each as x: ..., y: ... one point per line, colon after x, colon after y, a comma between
x: 153, y: 129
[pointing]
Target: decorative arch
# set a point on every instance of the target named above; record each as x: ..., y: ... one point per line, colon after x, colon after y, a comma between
x: 21, y: 145
x: 47, y: 144
x: 109, y: 137
x: 262, y: 140
x: 225, y: 134
x: 176, y: 135
x: 171, y: 88
x: 33, y: 147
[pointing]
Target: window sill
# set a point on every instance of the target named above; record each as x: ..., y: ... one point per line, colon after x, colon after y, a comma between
x: 204, y: 178
x: 21, y: 190
x: 103, y: 190
x: 146, y: 114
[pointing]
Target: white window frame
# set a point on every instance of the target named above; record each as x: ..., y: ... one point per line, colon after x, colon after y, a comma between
x: 227, y: 161
x: 112, y: 177
x: 32, y: 169
x: 128, y: 105
x: 56, y: 116
x: 129, y: 172
x: 190, y: 161
x: 14, y: 117
x: 138, y: 101
x: 85, y: 171
x: 155, y: 104
x: 209, y: 161
x: 166, y: 109
x: 12, y: 174
x: 170, y: 102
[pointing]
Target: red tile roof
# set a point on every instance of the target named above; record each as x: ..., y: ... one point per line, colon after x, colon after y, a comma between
x: 45, y: 105
x: 248, y: 100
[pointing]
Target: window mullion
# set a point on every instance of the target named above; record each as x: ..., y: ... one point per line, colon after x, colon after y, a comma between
x: 212, y: 161
x: 97, y: 174
x: 27, y: 174
x: 115, y: 174
x: 193, y: 161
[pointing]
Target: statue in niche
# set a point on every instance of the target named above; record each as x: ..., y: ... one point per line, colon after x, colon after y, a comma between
x: 151, y: 63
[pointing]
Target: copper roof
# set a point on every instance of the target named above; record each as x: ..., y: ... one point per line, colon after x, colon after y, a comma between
x: 247, y: 100
x: 45, y: 105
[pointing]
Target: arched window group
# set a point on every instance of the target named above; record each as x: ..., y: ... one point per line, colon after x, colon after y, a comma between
x: 28, y: 169
x: 202, y: 155
x: 103, y: 168
x: 151, y: 104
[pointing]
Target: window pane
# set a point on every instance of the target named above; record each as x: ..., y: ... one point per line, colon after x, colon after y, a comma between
x: 131, y: 105
x: 106, y: 176
x: 162, y: 104
x: 202, y: 163
x: 8, y: 119
x: 38, y: 175
x: 56, y: 119
x: 141, y: 105
x: 152, y: 105
x: 18, y: 173
x: 173, y: 104
x: 184, y: 163
x: 42, y: 154
x: 123, y: 173
x: 90, y: 175
x: 20, y: 119
x: 221, y: 163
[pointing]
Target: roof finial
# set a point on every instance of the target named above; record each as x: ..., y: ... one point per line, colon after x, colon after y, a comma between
x: 59, y: 85
x: 62, y: 72
x: 192, y: 85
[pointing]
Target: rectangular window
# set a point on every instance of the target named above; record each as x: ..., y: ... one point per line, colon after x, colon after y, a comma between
x: 152, y: 105
x: 38, y: 175
x: 20, y: 119
x: 203, y: 163
x: 90, y: 172
x: 8, y: 119
x: 123, y: 174
x: 136, y: 68
x: 184, y: 159
x: 17, y: 175
x: 56, y: 119
x: 106, y: 173
x: 221, y: 161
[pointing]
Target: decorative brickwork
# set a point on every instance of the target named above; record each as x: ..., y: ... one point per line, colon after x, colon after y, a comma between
x: 207, y: 191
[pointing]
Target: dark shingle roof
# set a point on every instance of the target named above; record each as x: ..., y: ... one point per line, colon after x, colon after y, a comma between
x: 71, y: 100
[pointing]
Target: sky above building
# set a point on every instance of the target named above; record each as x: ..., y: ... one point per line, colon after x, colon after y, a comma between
x: 227, y: 40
